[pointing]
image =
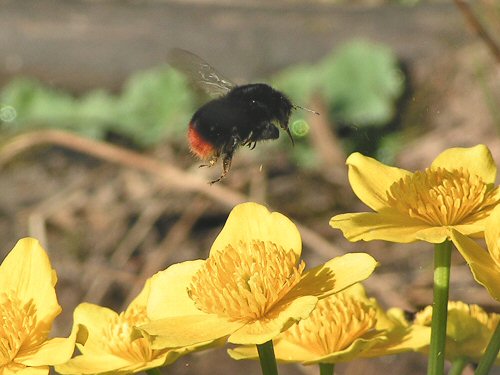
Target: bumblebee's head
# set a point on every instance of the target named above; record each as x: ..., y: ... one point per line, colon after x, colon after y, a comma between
x: 283, y: 109
x: 269, y: 132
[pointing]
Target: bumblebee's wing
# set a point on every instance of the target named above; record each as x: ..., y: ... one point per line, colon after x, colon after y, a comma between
x: 199, y: 72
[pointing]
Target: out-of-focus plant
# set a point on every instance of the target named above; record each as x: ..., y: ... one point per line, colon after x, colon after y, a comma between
x: 153, y: 106
x: 360, y: 82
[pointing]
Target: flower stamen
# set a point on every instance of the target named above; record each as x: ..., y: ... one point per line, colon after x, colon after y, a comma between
x: 18, y: 328
x: 117, y: 336
x: 245, y: 283
x: 440, y: 197
x: 334, y: 324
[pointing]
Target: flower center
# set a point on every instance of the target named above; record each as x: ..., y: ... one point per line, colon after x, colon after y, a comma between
x: 117, y: 336
x: 244, y: 284
x: 461, y: 311
x: 333, y: 325
x: 441, y: 197
x: 18, y: 328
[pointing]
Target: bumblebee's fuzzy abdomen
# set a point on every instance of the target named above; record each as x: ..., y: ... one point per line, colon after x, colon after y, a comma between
x: 219, y: 120
x: 199, y: 145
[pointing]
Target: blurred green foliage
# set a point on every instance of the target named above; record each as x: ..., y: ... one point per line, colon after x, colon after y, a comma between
x: 150, y: 109
x: 360, y: 82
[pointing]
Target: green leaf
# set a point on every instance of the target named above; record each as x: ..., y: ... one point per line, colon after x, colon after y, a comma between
x: 156, y: 104
x: 363, y: 83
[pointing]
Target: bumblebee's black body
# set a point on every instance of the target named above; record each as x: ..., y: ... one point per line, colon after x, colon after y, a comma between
x: 240, y: 115
x: 247, y: 114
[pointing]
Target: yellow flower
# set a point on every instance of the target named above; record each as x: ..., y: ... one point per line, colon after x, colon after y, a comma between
x: 343, y: 327
x: 468, y: 330
x: 252, y: 287
x: 28, y: 306
x: 108, y: 344
x: 485, y: 265
x: 455, y: 192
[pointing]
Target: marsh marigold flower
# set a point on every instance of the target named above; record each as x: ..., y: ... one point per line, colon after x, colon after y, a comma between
x: 108, y: 344
x: 28, y: 306
x: 343, y: 327
x: 468, y: 331
x: 455, y: 192
x: 252, y: 286
x: 485, y: 265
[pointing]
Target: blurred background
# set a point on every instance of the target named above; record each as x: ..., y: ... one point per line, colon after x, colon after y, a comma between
x: 95, y: 162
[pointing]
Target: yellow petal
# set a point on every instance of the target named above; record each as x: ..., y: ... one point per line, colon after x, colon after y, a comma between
x: 243, y: 352
x: 187, y: 330
x: 378, y: 226
x: 168, y: 295
x: 492, y: 235
x: 481, y: 264
x: 41, y: 370
x: 477, y: 160
x: 348, y: 269
x: 26, y: 271
x: 262, y: 331
x: 354, y: 350
x: 142, y: 298
x: 95, y: 319
x: 52, y: 352
x: 249, y: 222
x: 285, y: 351
x: 107, y: 363
x: 433, y: 234
x: 167, y: 358
x: 370, y: 180
x: 288, y: 351
x: 401, y: 336
x: 292, y: 352
x: 335, y: 275
x: 415, y: 339
x: 84, y: 364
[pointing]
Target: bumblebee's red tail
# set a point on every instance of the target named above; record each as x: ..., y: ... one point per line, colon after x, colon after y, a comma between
x: 198, y: 145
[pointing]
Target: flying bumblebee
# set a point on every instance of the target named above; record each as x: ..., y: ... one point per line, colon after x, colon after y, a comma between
x: 238, y: 116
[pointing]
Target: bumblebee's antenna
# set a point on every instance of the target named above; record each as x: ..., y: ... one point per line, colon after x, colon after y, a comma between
x: 295, y: 106
x: 287, y: 129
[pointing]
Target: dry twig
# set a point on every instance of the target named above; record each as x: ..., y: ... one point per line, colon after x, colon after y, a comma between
x: 171, y: 176
x: 478, y: 28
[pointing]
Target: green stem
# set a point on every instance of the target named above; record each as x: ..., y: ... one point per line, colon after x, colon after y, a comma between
x: 153, y: 371
x: 326, y: 368
x: 442, y: 262
x: 490, y: 354
x: 267, y: 358
x: 458, y: 366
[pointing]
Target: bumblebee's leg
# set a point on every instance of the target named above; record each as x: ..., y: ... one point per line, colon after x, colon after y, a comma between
x: 226, y: 166
x: 211, y: 162
x: 228, y: 157
x: 247, y: 141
